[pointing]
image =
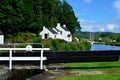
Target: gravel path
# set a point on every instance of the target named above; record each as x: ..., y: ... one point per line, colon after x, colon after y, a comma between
x: 49, y: 75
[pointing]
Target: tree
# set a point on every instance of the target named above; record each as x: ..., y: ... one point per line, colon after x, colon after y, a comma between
x: 48, y: 10
x: 68, y: 17
x: 20, y: 16
x: 31, y: 15
x: 9, y: 16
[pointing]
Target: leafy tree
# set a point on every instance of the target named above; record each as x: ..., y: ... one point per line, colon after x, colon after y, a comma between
x: 48, y: 9
x: 31, y: 15
x: 68, y: 17
x: 9, y: 16
x: 20, y: 15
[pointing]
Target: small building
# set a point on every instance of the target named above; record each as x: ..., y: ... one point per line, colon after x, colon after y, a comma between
x: 48, y: 33
x: 1, y: 37
x: 59, y: 32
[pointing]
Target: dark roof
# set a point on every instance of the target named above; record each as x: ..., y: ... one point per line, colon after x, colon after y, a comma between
x: 64, y: 28
x: 57, y: 30
x: 51, y: 30
x: 1, y: 33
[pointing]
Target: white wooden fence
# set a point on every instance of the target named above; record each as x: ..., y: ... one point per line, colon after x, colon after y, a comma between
x: 10, y: 58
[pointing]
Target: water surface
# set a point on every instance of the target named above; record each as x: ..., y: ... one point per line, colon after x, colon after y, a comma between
x: 104, y: 47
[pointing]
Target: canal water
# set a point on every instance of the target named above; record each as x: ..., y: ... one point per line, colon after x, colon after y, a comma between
x: 104, y: 47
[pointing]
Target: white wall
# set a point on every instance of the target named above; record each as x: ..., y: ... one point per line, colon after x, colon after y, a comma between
x: 46, y: 31
x: 1, y: 39
x: 64, y: 34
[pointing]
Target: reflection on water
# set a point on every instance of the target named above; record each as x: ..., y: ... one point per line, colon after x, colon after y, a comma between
x: 104, y: 47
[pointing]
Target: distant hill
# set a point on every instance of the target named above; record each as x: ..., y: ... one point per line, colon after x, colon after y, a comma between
x: 97, y: 35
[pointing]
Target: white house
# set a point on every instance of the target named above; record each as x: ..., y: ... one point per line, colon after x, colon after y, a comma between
x: 1, y: 37
x: 59, y: 32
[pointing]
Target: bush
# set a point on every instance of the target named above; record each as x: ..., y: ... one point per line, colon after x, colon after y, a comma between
x: 53, y: 44
x: 37, y: 40
x: 60, y: 45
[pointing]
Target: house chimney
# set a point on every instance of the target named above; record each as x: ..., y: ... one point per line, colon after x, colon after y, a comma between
x: 64, y: 25
x: 43, y: 27
x: 58, y: 24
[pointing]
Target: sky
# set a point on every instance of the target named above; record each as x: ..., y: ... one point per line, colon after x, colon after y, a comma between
x: 97, y: 15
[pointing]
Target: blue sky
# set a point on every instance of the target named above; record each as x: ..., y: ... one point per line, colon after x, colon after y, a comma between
x: 97, y: 15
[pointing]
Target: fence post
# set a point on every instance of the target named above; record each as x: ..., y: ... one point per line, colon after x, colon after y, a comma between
x: 10, y: 59
x: 41, y: 60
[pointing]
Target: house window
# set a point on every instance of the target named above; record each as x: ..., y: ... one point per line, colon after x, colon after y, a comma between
x: 55, y: 36
x: 60, y: 32
x: 68, y: 35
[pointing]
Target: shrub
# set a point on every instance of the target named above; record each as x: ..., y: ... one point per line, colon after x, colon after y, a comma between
x: 60, y: 45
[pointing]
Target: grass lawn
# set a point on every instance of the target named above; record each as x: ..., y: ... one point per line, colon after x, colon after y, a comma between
x: 92, y: 77
x: 111, y: 69
x: 94, y: 65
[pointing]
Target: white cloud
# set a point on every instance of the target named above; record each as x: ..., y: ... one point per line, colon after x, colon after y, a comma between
x: 87, y: 1
x: 96, y: 26
x: 89, y: 25
x: 111, y: 27
x: 102, y: 30
x: 87, y: 28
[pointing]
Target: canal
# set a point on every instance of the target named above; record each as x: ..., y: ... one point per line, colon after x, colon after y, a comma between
x: 104, y: 47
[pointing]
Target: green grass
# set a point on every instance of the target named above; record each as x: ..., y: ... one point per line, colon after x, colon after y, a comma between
x: 94, y: 65
x: 3, y: 51
x: 92, y: 77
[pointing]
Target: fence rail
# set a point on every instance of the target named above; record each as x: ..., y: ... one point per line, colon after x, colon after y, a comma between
x: 10, y: 58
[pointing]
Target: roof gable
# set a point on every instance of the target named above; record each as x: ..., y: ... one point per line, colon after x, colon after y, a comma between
x: 64, y: 28
x: 53, y: 31
x: 57, y: 30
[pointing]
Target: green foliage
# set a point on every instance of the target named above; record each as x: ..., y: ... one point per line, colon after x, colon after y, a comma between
x: 47, y: 43
x: 38, y: 44
x: 18, y: 16
x: 68, y: 17
x: 55, y: 44
x: 101, y: 37
x: 24, y: 37
x: 97, y: 35
x: 31, y: 15
x: 60, y: 45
